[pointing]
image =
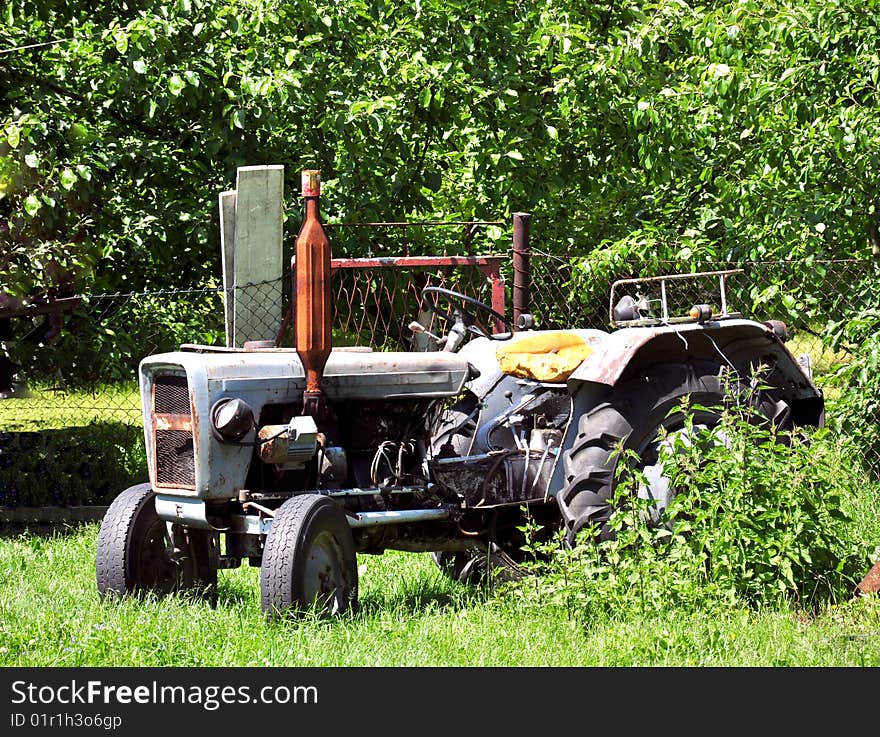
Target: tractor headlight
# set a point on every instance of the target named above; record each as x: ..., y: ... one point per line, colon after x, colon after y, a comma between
x: 231, y: 419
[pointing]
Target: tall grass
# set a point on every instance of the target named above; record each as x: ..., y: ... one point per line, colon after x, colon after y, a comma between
x: 410, y: 615
x: 646, y: 598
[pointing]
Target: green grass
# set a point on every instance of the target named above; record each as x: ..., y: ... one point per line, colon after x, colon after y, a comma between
x: 410, y: 615
x: 42, y: 407
x: 65, y: 448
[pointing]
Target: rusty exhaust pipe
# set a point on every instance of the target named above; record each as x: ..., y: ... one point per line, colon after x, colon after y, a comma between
x: 312, y: 325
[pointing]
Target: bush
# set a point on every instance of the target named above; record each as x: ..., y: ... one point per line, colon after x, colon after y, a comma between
x: 763, y: 523
x: 858, y: 406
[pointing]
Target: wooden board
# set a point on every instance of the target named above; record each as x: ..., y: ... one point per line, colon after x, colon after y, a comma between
x: 227, y: 247
x: 257, y: 261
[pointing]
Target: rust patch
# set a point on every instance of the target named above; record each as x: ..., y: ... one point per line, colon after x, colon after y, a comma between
x: 870, y: 584
x: 193, y: 418
x: 172, y: 422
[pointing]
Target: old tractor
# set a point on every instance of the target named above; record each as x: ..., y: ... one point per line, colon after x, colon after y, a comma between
x: 297, y: 459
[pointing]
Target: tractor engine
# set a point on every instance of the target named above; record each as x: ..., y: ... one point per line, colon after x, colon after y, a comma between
x: 222, y: 421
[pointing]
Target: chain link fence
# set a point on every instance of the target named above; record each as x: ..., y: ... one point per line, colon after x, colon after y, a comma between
x: 71, y: 425
x: 71, y: 432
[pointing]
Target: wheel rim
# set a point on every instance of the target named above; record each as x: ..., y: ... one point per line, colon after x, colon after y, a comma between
x: 657, y: 487
x: 155, y: 568
x: 324, y: 578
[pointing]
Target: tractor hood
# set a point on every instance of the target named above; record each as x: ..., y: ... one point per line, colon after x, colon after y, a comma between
x: 350, y: 373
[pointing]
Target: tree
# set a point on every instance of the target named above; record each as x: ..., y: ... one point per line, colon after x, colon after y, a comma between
x: 720, y: 131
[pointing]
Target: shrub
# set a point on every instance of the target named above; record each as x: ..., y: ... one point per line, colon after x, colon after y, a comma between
x: 760, y: 520
x: 858, y: 405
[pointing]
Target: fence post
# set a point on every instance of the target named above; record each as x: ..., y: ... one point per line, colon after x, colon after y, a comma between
x: 521, y: 272
x: 227, y: 247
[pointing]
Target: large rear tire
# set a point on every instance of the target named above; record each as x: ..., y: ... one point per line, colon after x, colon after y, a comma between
x: 135, y: 554
x: 631, y: 417
x: 309, y: 559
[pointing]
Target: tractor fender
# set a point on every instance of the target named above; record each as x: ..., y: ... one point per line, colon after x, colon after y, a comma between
x: 742, y: 344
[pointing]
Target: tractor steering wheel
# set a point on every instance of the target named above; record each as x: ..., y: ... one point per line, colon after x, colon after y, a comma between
x: 470, y: 321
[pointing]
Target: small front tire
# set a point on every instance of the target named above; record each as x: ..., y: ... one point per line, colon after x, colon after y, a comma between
x: 135, y: 554
x: 309, y: 560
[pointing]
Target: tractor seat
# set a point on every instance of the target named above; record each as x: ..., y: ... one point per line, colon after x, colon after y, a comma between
x: 550, y: 355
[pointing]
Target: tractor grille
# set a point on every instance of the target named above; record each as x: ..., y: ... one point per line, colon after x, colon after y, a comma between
x: 172, y: 395
x: 172, y: 425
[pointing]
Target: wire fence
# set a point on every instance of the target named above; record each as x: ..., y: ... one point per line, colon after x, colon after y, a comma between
x: 816, y: 300
x: 71, y: 425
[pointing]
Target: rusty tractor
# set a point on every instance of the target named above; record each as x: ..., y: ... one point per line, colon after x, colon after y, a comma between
x: 297, y: 459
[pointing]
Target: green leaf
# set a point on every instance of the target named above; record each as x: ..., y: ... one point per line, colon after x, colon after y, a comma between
x: 515, y: 155
x: 32, y: 160
x: 68, y: 179
x: 433, y: 181
x: 175, y: 85
x: 140, y: 66
x: 13, y: 136
x: 32, y: 205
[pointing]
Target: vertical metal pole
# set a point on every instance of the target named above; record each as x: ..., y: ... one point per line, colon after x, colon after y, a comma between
x: 663, y: 299
x: 492, y: 269
x: 521, y: 272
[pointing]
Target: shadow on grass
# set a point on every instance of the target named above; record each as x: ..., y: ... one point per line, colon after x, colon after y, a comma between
x: 49, y: 529
x: 426, y: 594
x: 74, y: 466
x: 433, y: 596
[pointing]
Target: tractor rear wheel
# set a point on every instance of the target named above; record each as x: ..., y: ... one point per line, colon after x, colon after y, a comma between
x: 631, y: 418
x: 476, y: 567
x: 309, y: 559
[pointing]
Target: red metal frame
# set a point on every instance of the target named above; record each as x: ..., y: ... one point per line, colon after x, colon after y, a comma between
x: 489, y: 266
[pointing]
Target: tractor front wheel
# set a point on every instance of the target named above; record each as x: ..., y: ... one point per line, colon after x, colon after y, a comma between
x: 138, y: 553
x: 309, y: 559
